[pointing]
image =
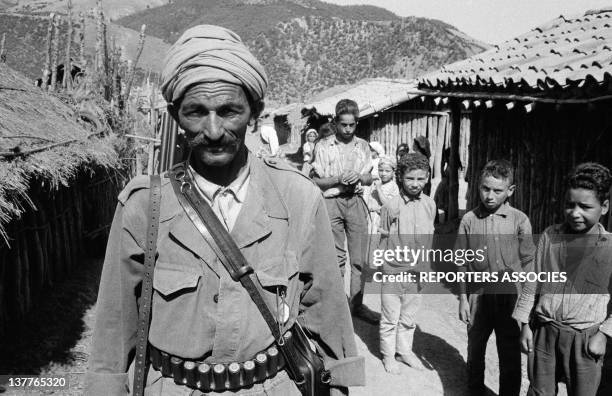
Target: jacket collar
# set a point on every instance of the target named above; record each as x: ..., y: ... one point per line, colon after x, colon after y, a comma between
x: 263, y: 201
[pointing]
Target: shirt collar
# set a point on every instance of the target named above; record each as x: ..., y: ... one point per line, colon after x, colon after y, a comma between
x: 503, y: 211
x: 237, y: 187
x: 407, y: 199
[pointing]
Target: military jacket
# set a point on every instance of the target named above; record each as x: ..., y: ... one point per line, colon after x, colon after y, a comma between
x: 198, y: 311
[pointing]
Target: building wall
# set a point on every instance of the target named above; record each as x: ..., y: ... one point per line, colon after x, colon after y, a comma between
x: 401, y: 125
x: 543, y: 146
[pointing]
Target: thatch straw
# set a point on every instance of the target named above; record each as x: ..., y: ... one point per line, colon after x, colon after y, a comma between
x: 29, y: 119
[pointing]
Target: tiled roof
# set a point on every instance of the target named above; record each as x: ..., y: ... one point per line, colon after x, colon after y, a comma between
x: 566, y: 52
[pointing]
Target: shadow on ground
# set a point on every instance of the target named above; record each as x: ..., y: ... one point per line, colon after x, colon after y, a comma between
x: 54, y: 326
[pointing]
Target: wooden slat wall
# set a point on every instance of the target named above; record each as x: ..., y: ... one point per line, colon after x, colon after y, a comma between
x: 543, y: 146
x: 47, y: 243
x: 392, y: 128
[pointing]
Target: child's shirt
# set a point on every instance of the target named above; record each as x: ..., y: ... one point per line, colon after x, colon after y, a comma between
x: 407, y: 222
x: 387, y: 190
x: 582, y: 301
x: 506, y: 235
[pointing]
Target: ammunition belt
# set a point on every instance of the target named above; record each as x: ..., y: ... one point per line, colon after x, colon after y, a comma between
x: 220, y: 377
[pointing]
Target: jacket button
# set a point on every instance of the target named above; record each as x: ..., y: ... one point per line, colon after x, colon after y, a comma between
x: 216, y: 298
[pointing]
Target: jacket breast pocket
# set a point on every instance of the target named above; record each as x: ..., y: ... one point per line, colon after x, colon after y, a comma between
x: 280, y: 271
x: 276, y: 271
x: 171, y: 280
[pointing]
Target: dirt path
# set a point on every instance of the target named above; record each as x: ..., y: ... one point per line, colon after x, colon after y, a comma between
x: 55, y: 340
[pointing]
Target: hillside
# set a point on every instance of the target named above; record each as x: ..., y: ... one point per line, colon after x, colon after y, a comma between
x: 305, y: 45
x: 113, y: 8
x: 310, y: 54
x: 26, y: 43
x: 245, y: 17
x: 309, y: 45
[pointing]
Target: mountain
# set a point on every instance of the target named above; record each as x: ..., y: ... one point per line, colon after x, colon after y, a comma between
x: 245, y: 17
x: 26, y: 43
x: 309, y: 45
x: 113, y: 8
x: 305, y: 45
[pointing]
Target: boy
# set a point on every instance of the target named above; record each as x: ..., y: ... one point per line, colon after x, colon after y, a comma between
x: 571, y: 320
x: 506, y: 233
x: 406, y: 220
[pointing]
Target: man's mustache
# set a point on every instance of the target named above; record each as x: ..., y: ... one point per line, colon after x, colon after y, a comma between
x: 200, y: 139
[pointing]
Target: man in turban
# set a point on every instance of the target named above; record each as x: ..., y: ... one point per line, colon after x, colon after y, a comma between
x: 201, y: 317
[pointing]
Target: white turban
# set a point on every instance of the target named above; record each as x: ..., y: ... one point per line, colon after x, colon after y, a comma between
x: 208, y: 53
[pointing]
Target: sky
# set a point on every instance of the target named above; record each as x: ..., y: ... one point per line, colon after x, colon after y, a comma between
x: 491, y: 21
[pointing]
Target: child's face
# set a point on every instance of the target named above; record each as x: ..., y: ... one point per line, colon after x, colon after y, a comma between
x: 385, y: 172
x: 413, y: 181
x: 494, y: 192
x: 583, y: 209
x: 311, y: 137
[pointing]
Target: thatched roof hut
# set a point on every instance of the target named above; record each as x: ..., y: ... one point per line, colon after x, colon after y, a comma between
x: 40, y: 140
x: 57, y: 187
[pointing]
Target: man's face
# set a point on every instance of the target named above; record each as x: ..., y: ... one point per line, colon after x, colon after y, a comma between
x: 215, y: 117
x: 583, y: 209
x: 494, y: 192
x: 414, y: 180
x: 345, y: 126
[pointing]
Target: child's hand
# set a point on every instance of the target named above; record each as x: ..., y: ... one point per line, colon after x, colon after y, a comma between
x: 597, y: 345
x: 526, y: 339
x: 464, y: 309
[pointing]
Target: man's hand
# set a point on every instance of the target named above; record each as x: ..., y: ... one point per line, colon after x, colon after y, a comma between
x: 597, y: 345
x: 526, y: 339
x: 464, y: 309
x: 349, y: 177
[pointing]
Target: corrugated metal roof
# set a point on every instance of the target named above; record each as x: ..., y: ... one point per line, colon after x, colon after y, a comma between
x: 372, y: 96
x: 564, y: 52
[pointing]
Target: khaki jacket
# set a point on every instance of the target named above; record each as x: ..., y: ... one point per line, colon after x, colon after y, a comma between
x: 198, y: 311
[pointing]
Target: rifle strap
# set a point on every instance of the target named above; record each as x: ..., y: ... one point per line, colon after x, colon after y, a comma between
x: 144, y: 315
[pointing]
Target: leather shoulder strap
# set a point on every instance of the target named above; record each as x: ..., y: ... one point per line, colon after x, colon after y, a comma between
x: 220, y: 241
x: 144, y: 315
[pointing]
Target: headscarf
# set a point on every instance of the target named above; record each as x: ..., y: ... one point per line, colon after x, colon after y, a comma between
x: 310, y: 131
x: 386, y: 159
x: 421, y: 145
x: 378, y: 148
x: 208, y: 53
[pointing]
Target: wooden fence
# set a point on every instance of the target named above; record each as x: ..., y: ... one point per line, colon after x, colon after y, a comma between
x: 49, y: 242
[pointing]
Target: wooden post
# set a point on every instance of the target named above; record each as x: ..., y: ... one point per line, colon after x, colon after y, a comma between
x: 2, y: 49
x: 610, y: 217
x: 453, y: 162
x: 67, y: 81
x: 82, y: 58
x: 55, y: 52
x: 47, y: 66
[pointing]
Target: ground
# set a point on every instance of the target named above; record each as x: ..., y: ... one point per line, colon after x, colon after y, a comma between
x: 55, y: 339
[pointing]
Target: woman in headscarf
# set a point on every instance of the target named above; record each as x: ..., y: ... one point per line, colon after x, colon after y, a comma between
x: 377, y: 151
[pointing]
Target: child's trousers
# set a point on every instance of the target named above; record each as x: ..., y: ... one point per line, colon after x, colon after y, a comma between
x: 488, y: 313
x: 399, y: 305
x: 561, y: 351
